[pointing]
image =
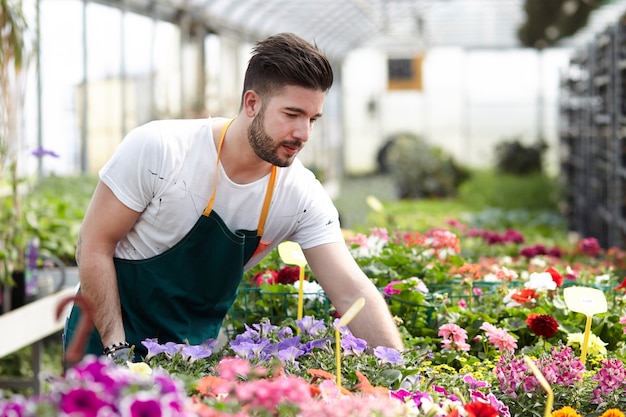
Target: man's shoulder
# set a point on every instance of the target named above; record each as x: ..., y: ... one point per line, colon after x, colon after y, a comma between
x: 168, y: 133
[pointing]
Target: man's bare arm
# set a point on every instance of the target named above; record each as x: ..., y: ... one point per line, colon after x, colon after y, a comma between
x: 106, y: 222
x: 344, y: 282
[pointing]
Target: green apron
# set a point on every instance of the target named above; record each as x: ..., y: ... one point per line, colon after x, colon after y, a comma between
x: 183, y: 294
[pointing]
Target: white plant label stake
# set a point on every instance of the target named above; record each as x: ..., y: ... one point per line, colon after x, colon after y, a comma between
x: 588, y: 301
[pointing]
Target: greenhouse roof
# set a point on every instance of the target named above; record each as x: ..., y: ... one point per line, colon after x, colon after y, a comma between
x: 338, y: 26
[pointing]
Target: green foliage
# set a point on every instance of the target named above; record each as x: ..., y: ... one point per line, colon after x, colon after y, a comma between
x: 420, y: 170
x: 510, y: 192
x: 54, y: 211
x: 513, y: 157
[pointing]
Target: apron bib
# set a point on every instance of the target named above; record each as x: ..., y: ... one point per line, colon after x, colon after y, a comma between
x: 183, y: 294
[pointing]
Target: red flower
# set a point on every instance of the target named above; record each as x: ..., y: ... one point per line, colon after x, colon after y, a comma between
x: 288, y: 275
x: 268, y: 276
x: 478, y: 409
x: 621, y: 286
x: 542, y: 325
x: 556, y: 277
x: 524, y: 296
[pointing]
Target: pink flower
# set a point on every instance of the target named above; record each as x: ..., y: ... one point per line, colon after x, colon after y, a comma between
x: 230, y: 368
x: 589, y: 246
x: 268, y: 276
x: 380, y: 233
x: 454, y: 332
x: 268, y: 393
x: 505, y: 274
x: 450, y: 344
x: 454, y: 337
x: 359, y: 239
x: 462, y: 304
x: 500, y: 338
x: 389, y: 288
x: 622, y: 320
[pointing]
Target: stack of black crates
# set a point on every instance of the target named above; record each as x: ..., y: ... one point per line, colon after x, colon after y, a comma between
x: 593, y: 138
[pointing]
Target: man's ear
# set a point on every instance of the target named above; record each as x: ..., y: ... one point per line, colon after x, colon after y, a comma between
x: 251, y: 103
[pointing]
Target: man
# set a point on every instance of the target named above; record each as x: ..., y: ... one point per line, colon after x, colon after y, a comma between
x: 183, y: 207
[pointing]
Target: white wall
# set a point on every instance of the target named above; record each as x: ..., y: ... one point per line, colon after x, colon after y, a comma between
x: 471, y: 100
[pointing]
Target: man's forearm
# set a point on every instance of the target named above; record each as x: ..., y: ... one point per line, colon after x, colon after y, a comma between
x: 375, y: 325
x: 98, y: 283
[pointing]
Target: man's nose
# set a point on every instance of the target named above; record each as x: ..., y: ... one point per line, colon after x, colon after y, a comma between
x: 302, y: 130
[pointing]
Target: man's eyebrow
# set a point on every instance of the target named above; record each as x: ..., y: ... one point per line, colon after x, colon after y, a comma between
x: 301, y: 111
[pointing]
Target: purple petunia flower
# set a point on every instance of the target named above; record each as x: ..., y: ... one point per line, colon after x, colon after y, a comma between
x: 82, y: 401
x: 154, y: 347
x: 148, y: 407
x: 311, y: 327
x: 285, y: 333
x: 352, y: 345
x: 315, y: 344
x: 388, y: 355
x: 248, y: 348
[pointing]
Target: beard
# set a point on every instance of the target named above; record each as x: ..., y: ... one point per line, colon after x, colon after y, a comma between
x: 263, y: 144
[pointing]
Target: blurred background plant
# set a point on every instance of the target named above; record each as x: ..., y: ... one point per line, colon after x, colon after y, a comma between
x: 14, y: 54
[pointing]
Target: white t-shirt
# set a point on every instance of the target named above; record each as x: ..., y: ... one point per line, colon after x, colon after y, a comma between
x: 166, y: 170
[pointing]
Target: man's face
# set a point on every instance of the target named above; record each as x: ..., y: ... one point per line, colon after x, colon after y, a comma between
x: 284, y: 123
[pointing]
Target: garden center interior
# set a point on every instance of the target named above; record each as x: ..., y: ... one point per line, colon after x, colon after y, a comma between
x: 462, y: 74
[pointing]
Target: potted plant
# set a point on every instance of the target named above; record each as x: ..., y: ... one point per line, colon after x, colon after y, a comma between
x: 13, y: 60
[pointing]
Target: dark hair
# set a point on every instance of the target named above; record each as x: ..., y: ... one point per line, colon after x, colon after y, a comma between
x: 287, y: 59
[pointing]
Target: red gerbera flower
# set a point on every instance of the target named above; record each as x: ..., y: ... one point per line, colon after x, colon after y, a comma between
x: 542, y: 325
x: 621, y: 286
x: 527, y: 295
x: 478, y: 409
x: 556, y: 277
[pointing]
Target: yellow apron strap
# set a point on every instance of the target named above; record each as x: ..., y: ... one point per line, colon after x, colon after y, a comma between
x: 268, y: 200
x: 268, y: 193
x: 209, y: 206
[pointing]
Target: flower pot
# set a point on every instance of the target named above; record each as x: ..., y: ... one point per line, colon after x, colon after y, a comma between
x: 14, y: 296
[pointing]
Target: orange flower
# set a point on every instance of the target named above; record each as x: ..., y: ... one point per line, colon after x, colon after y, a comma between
x: 211, y: 386
x: 471, y: 269
x: 612, y: 412
x: 318, y: 374
x: 366, y: 386
x: 524, y: 296
x: 565, y: 412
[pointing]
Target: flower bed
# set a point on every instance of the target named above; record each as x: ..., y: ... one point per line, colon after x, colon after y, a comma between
x: 485, y: 336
